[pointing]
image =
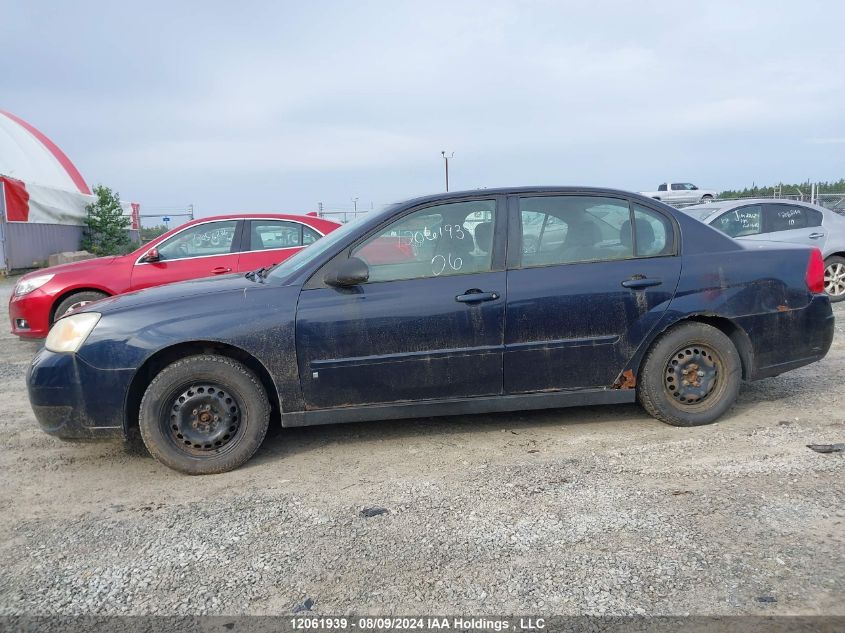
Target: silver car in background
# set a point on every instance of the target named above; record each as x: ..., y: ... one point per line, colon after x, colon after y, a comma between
x: 777, y: 220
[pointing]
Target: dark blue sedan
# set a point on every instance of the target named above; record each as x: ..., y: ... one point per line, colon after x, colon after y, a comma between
x: 492, y: 300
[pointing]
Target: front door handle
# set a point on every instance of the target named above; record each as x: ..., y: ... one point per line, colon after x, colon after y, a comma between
x: 476, y: 296
x: 637, y: 282
x: 220, y: 270
x: 815, y: 236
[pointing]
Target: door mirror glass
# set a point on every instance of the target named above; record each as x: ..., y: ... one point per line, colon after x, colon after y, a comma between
x: 151, y: 256
x: 352, y: 272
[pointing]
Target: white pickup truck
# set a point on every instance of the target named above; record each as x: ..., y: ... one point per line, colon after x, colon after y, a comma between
x: 685, y: 192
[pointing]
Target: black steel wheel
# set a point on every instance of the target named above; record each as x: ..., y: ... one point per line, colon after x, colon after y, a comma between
x: 204, y: 414
x: 203, y: 418
x: 690, y: 376
x: 693, y: 373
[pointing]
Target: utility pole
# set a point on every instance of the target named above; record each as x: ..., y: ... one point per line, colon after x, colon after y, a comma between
x: 446, y: 160
x: 320, y: 209
x: 191, y: 210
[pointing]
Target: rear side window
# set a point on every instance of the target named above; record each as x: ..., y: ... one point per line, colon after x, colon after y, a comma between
x: 654, y: 233
x: 784, y: 217
x: 270, y: 234
x: 569, y: 229
x: 662, y: 187
x: 741, y: 222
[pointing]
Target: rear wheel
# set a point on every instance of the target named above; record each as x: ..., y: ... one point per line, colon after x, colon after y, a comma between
x: 204, y: 415
x: 690, y: 376
x: 707, y: 198
x: 76, y: 300
x: 834, y: 278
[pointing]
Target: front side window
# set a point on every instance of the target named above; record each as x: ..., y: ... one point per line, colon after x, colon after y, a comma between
x: 201, y: 240
x: 784, y: 217
x: 741, y: 222
x: 445, y: 239
x: 569, y: 229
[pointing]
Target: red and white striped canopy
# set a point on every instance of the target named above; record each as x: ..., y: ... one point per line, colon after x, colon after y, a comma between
x: 38, y: 181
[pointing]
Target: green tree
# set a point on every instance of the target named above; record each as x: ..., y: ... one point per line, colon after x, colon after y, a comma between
x: 106, y: 228
x: 151, y: 232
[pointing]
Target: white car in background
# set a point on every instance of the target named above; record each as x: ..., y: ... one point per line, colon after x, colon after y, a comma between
x: 776, y: 220
x: 681, y: 192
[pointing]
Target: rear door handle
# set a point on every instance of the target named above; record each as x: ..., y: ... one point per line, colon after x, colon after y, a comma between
x: 815, y: 236
x: 476, y: 296
x: 220, y: 270
x: 641, y: 282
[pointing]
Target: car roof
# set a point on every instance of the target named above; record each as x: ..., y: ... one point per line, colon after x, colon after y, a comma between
x: 299, y: 217
x: 533, y: 189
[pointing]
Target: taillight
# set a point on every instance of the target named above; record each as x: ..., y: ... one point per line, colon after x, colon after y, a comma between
x: 815, y: 272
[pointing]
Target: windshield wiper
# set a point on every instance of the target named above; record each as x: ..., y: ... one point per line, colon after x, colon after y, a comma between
x: 259, y: 273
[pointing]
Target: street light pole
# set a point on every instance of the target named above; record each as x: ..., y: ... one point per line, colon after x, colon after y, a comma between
x: 446, y: 160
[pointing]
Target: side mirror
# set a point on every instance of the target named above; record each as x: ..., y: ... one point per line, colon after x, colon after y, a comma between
x: 151, y: 256
x: 352, y: 272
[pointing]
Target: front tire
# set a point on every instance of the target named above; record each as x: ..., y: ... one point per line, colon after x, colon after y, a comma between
x: 834, y: 278
x: 690, y: 375
x: 204, y: 415
x: 76, y: 300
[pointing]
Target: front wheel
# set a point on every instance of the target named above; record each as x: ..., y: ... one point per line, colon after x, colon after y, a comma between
x: 204, y: 414
x: 834, y: 278
x: 690, y: 376
x: 76, y: 300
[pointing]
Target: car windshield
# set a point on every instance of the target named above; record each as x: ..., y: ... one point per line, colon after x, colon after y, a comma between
x: 293, y: 263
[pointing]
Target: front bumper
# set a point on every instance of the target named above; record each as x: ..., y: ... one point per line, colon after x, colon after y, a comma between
x: 73, y: 400
x: 33, y: 309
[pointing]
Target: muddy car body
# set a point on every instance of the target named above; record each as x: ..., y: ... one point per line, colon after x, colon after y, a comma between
x: 672, y: 312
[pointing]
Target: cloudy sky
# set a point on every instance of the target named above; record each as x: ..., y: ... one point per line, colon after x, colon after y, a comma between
x: 278, y: 105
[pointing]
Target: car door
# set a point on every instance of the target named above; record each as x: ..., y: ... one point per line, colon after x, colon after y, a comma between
x: 429, y: 323
x: 268, y: 241
x: 577, y: 311
x: 794, y: 223
x: 201, y: 250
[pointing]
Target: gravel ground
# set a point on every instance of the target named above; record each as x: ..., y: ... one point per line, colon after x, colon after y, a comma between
x: 573, y: 511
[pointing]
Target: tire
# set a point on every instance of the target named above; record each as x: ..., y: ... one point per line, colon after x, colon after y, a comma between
x: 78, y: 297
x: 834, y: 278
x: 694, y: 350
x: 233, y: 417
x: 707, y: 198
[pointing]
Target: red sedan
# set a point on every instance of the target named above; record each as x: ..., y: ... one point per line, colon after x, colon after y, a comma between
x: 200, y: 248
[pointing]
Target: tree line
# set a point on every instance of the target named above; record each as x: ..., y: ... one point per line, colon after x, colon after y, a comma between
x: 837, y: 186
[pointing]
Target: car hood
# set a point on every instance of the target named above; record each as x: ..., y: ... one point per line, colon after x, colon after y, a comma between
x: 174, y: 292
x: 72, y: 267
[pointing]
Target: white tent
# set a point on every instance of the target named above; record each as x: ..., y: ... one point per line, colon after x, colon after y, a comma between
x: 39, y: 186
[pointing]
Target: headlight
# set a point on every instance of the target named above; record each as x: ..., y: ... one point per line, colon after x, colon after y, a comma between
x: 25, y: 286
x: 69, y: 333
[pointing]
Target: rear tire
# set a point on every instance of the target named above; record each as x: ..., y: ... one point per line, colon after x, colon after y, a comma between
x: 834, y: 278
x: 204, y: 415
x: 70, y: 301
x: 690, y: 376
